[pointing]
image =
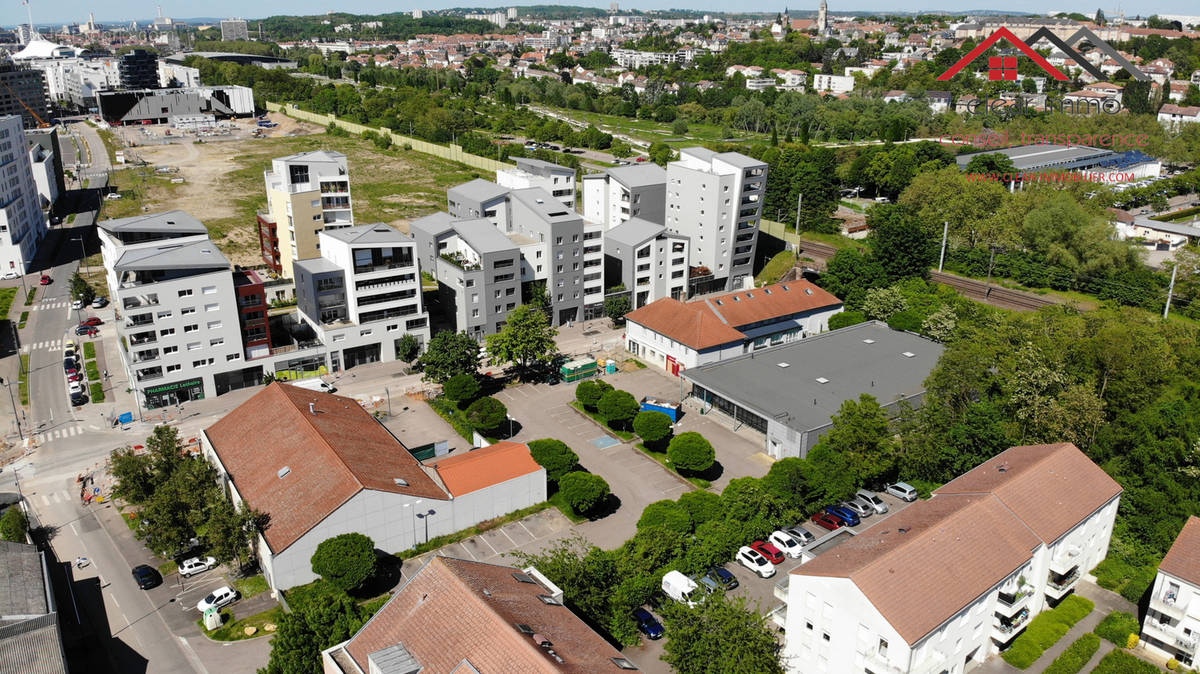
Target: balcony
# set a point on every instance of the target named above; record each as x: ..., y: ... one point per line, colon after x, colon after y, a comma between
x: 139, y: 320
x: 143, y: 338
x: 1004, y: 629
x: 145, y: 356
x: 1167, y: 634
x: 1057, y: 586
x: 879, y: 663
x: 1007, y: 604
x: 140, y: 301
x: 1068, y: 559
x: 779, y: 616
x: 150, y: 374
x: 1168, y: 604
x: 781, y: 589
x: 456, y: 260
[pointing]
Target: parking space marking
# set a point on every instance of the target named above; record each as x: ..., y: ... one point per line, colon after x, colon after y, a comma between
x: 468, y: 551
x: 510, y: 538
x: 522, y: 523
x: 494, y: 550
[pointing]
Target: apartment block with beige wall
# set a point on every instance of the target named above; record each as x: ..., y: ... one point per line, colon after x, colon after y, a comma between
x: 1171, y: 627
x: 307, y: 193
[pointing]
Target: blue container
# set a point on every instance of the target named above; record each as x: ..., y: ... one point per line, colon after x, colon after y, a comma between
x: 668, y: 408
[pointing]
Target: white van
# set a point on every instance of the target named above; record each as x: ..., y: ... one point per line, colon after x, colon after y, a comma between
x: 314, y: 384
x: 680, y: 588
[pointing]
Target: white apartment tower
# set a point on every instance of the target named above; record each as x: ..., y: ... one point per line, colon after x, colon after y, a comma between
x: 559, y: 181
x: 22, y: 224
x: 715, y: 199
x: 625, y: 192
x: 307, y: 193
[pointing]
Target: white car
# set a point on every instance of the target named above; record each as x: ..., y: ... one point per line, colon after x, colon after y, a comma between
x: 77, y: 304
x: 902, y: 491
x: 752, y: 559
x: 786, y: 543
x: 190, y: 567
x: 11, y: 275
x: 75, y: 388
x: 222, y: 596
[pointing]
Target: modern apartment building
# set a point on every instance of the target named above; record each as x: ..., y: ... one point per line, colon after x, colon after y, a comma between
x: 1171, y: 627
x: 559, y: 181
x: 649, y: 261
x: 362, y: 295
x: 45, y: 158
x: 715, y: 199
x: 477, y: 267
x: 307, y: 193
x: 22, y: 224
x: 234, y: 29
x: 479, y: 198
x: 23, y: 93
x: 177, y: 318
x: 138, y: 69
x: 253, y: 311
x: 625, y: 192
x: 945, y: 583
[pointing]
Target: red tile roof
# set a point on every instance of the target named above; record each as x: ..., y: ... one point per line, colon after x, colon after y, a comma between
x: 331, y: 455
x: 714, y: 320
x: 1183, y: 559
x: 454, y: 610
x: 480, y: 468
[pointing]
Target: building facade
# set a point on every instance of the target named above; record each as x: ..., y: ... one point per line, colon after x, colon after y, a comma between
x: 234, y: 29
x: 45, y: 158
x: 625, y: 192
x: 253, y: 311
x: 1171, y: 627
x: 650, y: 262
x: 22, y: 223
x: 715, y: 199
x: 559, y: 181
x: 158, y: 106
x: 307, y: 193
x: 138, y: 69
x: 23, y: 93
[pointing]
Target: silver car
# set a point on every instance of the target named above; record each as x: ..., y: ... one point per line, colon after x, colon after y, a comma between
x: 859, y: 506
x: 801, y: 534
x: 872, y: 498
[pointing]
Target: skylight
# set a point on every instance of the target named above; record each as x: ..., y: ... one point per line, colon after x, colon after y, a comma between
x: 822, y: 380
x: 908, y: 354
x: 785, y: 364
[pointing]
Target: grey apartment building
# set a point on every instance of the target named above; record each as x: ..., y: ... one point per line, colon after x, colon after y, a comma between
x: 650, y: 261
x: 625, y: 192
x: 559, y: 181
x: 23, y: 92
x: 715, y: 199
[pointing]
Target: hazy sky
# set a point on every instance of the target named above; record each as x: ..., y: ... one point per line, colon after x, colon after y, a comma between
x: 63, y: 11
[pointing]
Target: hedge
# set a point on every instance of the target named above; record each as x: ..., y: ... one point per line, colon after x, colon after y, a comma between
x: 1045, y: 630
x: 1076, y: 656
x: 1120, y: 662
x: 1117, y: 626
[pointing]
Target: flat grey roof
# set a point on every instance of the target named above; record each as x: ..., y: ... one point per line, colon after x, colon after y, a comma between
x: 1025, y: 157
x: 172, y: 222
x: 1169, y: 227
x: 539, y: 165
x: 434, y: 224
x: 367, y: 234
x: 173, y: 255
x: 314, y: 155
x: 23, y: 593
x: 317, y: 265
x: 739, y: 159
x: 639, y: 175
x: 546, y: 205
x: 478, y: 190
x: 483, y: 236
x: 634, y: 232
x: 793, y: 396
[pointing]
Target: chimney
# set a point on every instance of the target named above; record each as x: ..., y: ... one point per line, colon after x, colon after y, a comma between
x: 312, y: 408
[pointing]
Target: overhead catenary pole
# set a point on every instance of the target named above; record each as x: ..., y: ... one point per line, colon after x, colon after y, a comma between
x: 799, y: 205
x: 942, y: 256
x: 1170, y: 291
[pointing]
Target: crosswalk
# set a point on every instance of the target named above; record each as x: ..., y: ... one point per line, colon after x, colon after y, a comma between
x: 46, y: 305
x: 59, y: 434
x: 63, y: 496
x: 51, y: 345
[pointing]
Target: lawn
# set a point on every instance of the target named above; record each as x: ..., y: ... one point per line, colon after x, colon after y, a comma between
x: 235, y: 630
x: 137, y: 186
x: 30, y: 295
x: 89, y: 350
x: 1120, y: 662
x: 651, y: 131
x: 97, y: 392
x: 24, y: 318
x: 560, y: 502
x: 23, y: 382
x: 7, y: 295
x: 1045, y: 630
x: 775, y: 268
x: 251, y: 586
x: 624, y: 435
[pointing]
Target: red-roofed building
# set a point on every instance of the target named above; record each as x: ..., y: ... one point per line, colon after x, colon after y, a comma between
x: 318, y: 465
x: 1171, y: 626
x: 678, y: 335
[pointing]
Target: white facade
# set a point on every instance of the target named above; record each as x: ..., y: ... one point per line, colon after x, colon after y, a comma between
x: 234, y: 29
x: 22, y: 224
x: 610, y: 200
x: 45, y: 176
x: 174, y: 72
x: 1171, y: 627
x: 833, y: 84
x: 558, y: 181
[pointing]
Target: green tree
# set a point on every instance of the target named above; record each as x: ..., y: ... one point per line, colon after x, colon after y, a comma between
x: 449, y: 353
x: 668, y: 514
x: 882, y: 303
x: 850, y: 274
x: 679, y: 126
x: 660, y: 153
x: 81, y: 289
x: 844, y: 319
x: 691, y: 452
x: 702, y: 506
x: 311, y: 628
x: 14, y: 526
x: 900, y: 243
x: 555, y: 456
x: 408, y: 348
x: 166, y: 453
x: 616, y: 307
x: 230, y: 532
x: 462, y: 388
x: 486, y: 414
x: 178, y: 509
x: 618, y: 408
x: 133, y: 475
x: 654, y: 427
x: 583, y: 491
x: 788, y: 479
x: 526, y: 340
x: 861, y: 433
x: 721, y: 634
x: 589, y: 391
x: 346, y: 561
x: 991, y: 163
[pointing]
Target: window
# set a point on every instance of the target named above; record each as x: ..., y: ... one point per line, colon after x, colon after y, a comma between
x: 209, y: 290
x: 167, y: 332
x: 186, y: 292
x: 511, y: 306
x: 339, y: 338
x: 203, y: 362
x: 211, y: 307
x: 558, y: 240
x: 558, y: 269
x: 214, y: 325
x: 509, y: 292
x: 164, y: 314
x: 883, y: 648
x: 474, y: 313
x: 470, y: 283
x: 499, y: 293
x: 474, y: 298
x: 174, y: 368
x: 497, y: 310
x: 187, y: 310
x: 233, y: 356
x: 193, y: 346
x: 169, y: 349
x: 216, y: 342
x: 191, y: 328
x: 825, y: 636
x: 393, y: 328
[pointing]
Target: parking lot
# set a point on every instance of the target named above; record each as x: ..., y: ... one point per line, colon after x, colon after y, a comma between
x: 531, y: 534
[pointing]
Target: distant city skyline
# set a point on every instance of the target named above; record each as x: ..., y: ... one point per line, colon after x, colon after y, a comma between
x: 123, y: 11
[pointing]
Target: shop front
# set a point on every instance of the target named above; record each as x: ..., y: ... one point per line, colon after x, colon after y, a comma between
x: 174, y: 393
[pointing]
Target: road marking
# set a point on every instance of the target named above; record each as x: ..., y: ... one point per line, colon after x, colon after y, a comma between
x: 114, y: 598
x: 74, y: 530
x: 45, y: 500
x: 510, y: 538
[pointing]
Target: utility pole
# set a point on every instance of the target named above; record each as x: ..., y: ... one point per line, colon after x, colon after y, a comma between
x: 991, y: 262
x: 1166, y: 309
x: 799, y: 205
x: 16, y: 414
x: 942, y: 255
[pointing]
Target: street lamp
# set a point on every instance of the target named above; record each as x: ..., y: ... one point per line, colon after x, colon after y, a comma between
x: 425, y: 516
x: 16, y: 415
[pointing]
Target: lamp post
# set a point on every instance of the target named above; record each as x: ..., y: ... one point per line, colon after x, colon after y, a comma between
x: 425, y: 516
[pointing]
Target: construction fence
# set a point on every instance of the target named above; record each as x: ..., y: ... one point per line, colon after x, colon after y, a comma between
x: 451, y: 152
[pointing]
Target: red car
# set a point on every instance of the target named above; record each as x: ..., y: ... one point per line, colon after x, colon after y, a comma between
x: 828, y: 520
x: 45, y: 280
x: 75, y: 376
x: 93, y: 321
x: 767, y: 550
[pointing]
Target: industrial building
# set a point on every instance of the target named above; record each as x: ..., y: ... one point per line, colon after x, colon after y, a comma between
x: 789, y: 393
x: 1048, y: 157
x: 158, y: 106
x: 23, y: 93
x: 307, y: 193
x: 22, y: 222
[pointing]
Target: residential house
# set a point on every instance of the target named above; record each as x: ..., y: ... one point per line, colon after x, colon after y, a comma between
x: 307, y: 193
x: 1172, y: 115
x: 1171, y: 627
x: 832, y: 84
x: 31, y: 638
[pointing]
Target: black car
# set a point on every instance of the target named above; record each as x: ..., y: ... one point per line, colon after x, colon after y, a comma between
x: 70, y: 365
x: 78, y: 399
x: 86, y: 330
x: 723, y: 577
x: 146, y: 577
x: 647, y: 623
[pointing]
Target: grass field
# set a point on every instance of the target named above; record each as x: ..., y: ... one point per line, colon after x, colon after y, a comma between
x: 776, y: 267
x: 651, y: 131
x: 7, y: 295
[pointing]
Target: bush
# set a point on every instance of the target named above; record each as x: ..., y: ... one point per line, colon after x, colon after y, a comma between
x: 588, y: 392
x: 846, y: 318
x: 583, y: 491
x: 691, y: 452
x: 1117, y: 626
x: 462, y: 388
x: 652, y: 426
x: 617, y: 408
x: 555, y: 456
x: 909, y: 321
x: 1076, y: 656
x: 701, y: 506
x: 1132, y: 641
x: 14, y: 525
x: 668, y: 514
x: 1045, y: 630
x: 1172, y: 664
x: 486, y: 414
x: 346, y: 561
x: 1120, y: 662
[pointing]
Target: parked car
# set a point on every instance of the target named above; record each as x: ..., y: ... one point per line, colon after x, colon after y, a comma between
x: 753, y: 560
x: 146, y: 576
x: 872, y: 498
x: 710, y: 586
x: 69, y: 344
x: 77, y: 400
x: 647, y: 624
x: 69, y: 365
x: 848, y: 516
x: 680, y: 588
x: 786, y: 543
x: 75, y: 376
x: 99, y: 302
x: 903, y: 491
x: 11, y: 275
x: 77, y: 304
x: 194, y: 565
x: 801, y: 534
x: 830, y: 522
x: 723, y: 576
x: 860, y: 507
x: 69, y: 353
x: 222, y: 596
x: 92, y: 321
x: 75, y: 388
x: 769, y: 551
x: 45, y: 280
x: 86, y: 331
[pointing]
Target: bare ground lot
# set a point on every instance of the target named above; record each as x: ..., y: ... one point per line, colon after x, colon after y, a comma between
x: 223, y: 179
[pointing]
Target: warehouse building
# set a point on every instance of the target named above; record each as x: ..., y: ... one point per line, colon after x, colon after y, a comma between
x: 790, y: 393
x: 158, y: 106
x: 1048, y: 157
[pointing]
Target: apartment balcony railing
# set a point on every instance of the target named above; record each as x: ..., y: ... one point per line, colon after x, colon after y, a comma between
x: 880, y: 664
x: 149, y: 376
x: 140, y: 358
x: 1004, y: 629
x: 456, y: 260
x: 1008, y: 604
x: 1168, y: 635
x: 781, y: 589
x: 383, y: 266
x: 146, y: 338
x: 140, y: 301
x: 779, y: 616
x: 136, y: 321
x: 1058, y: 586
x: 1168, y: 604
x: 1066, y: 560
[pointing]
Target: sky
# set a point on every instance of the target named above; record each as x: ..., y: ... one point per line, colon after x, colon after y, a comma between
x: 67, y: 11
